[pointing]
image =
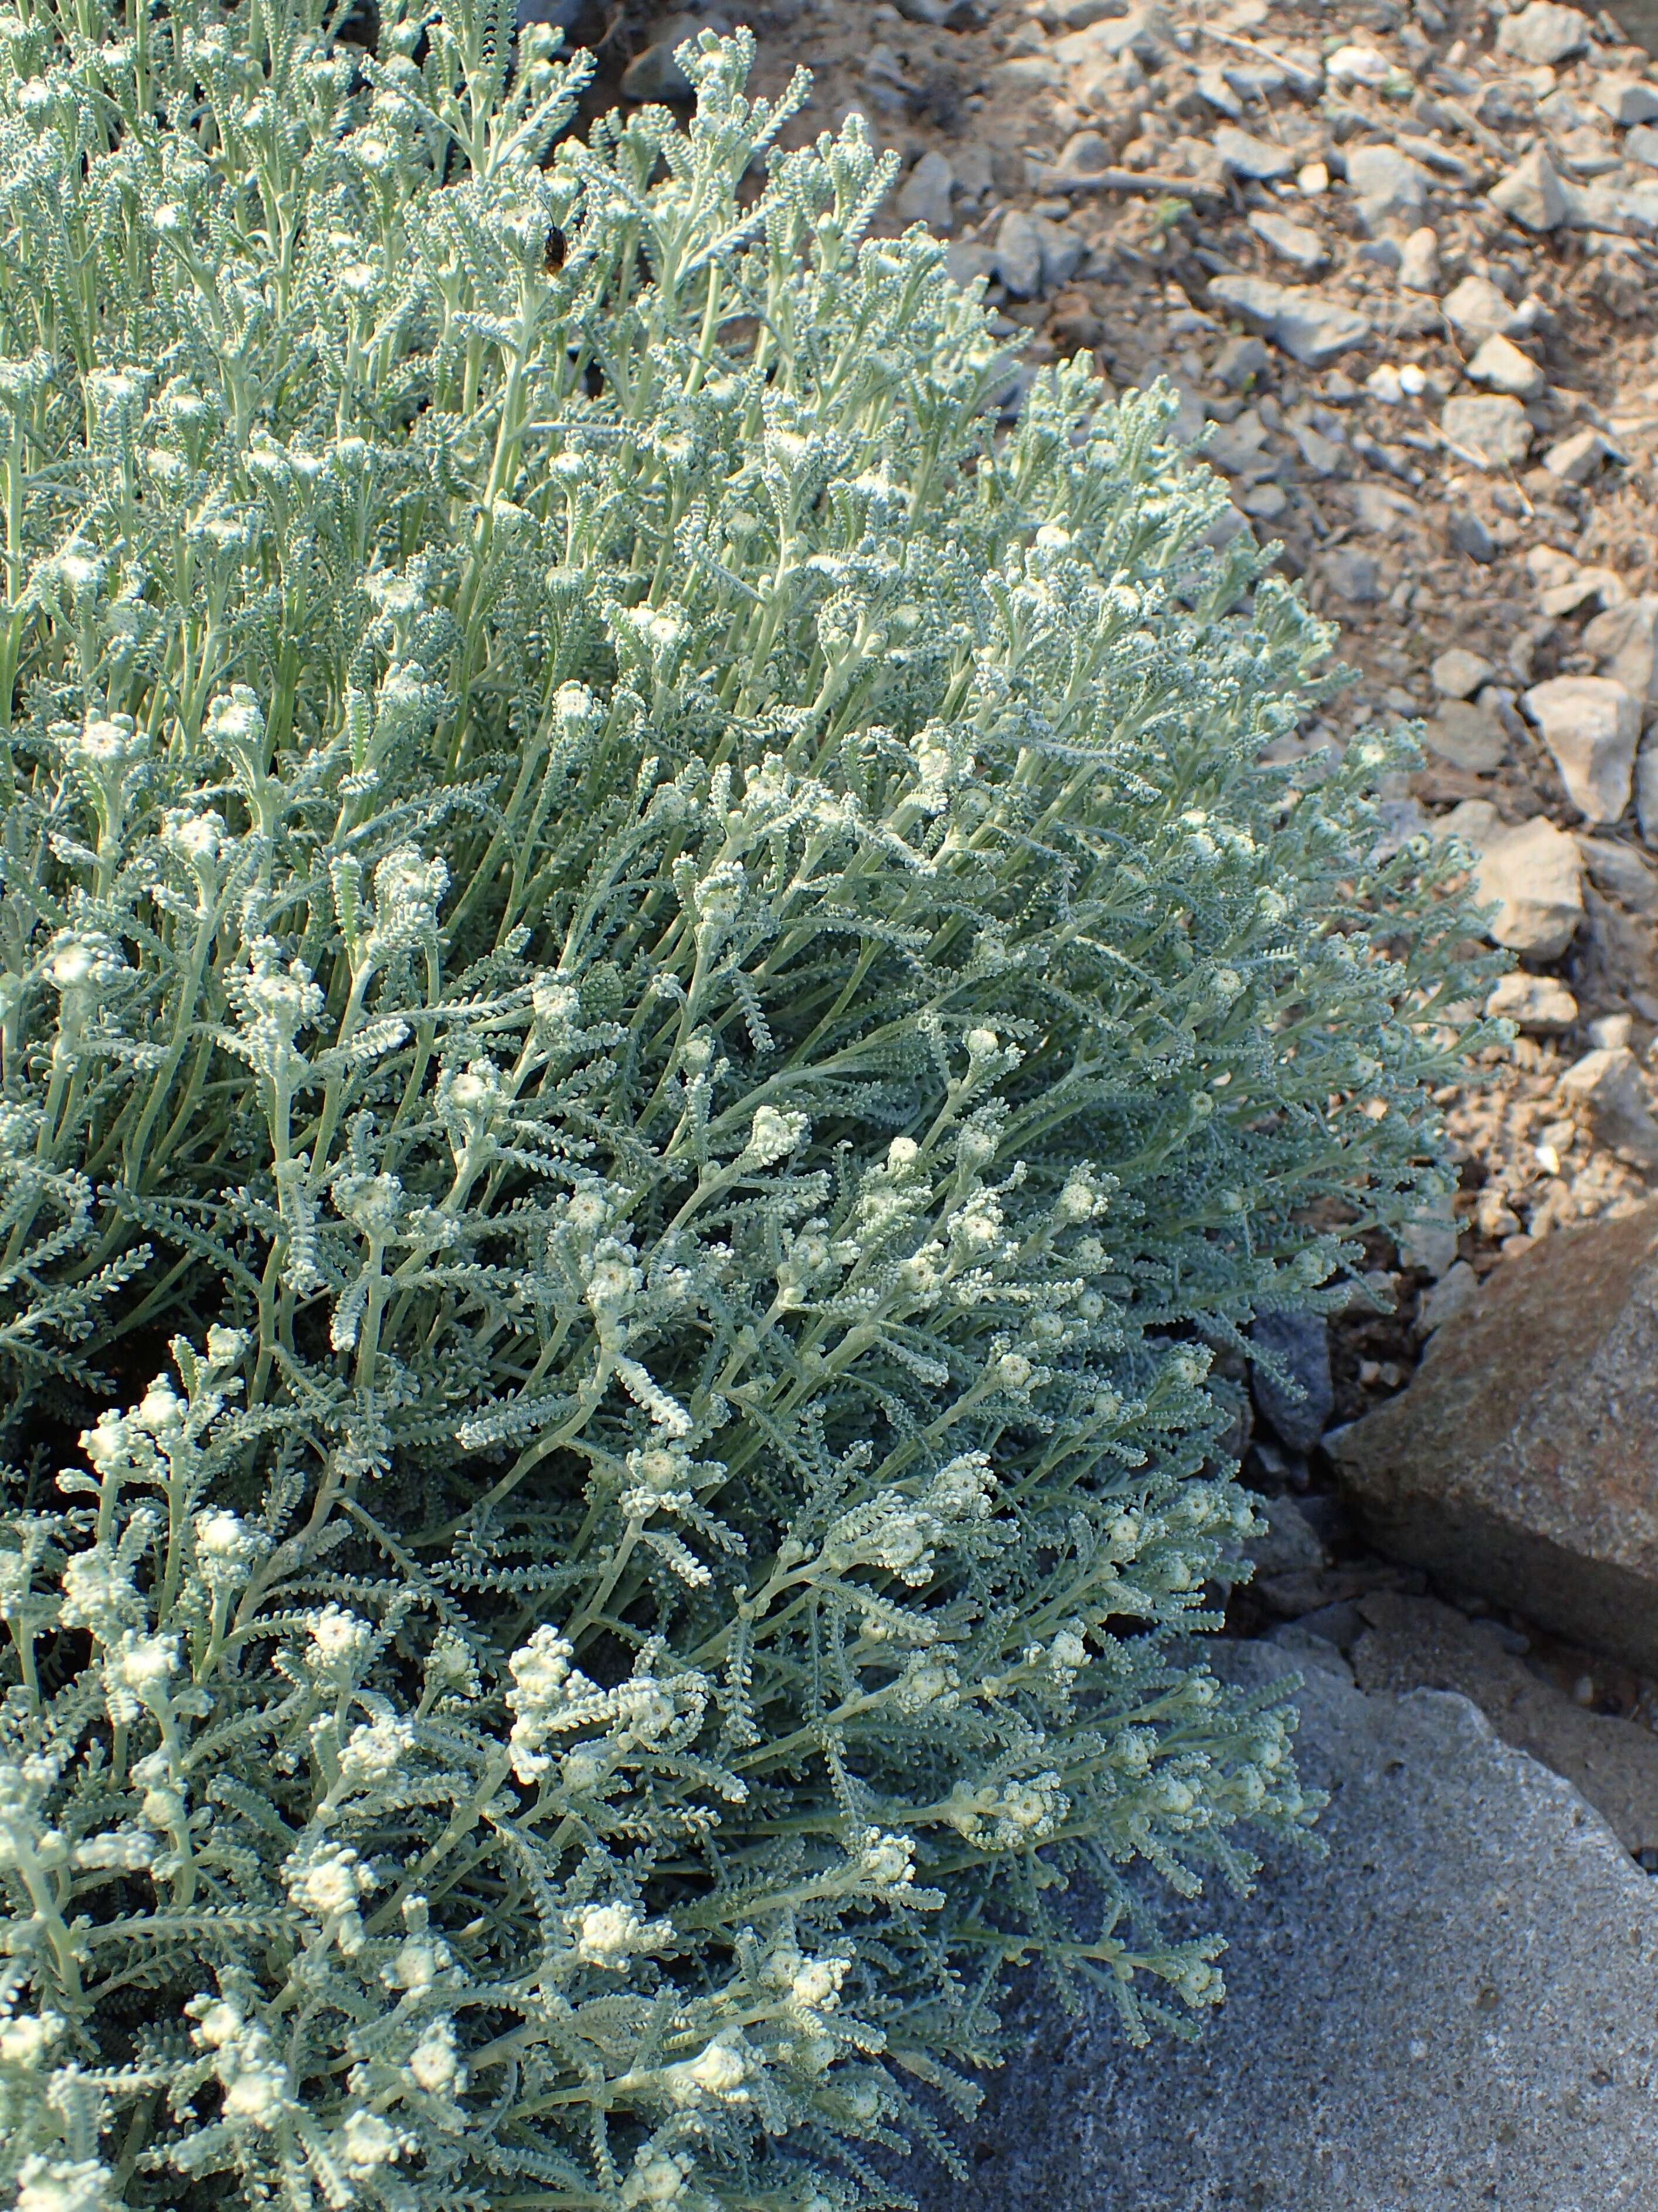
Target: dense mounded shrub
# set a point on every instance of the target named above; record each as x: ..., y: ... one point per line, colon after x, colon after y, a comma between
x: 657, y: 982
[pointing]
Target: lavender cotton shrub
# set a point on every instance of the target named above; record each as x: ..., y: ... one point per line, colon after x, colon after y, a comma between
x: 660, y: 974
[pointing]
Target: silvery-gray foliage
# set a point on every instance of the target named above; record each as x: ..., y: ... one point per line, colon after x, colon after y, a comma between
x: 673, y: 976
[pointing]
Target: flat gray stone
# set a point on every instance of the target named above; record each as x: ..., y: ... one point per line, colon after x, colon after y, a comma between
x: 1532, y: 1002
x: 1544, y: 33
x: 925, y: 197
x: 1494, y: 432
x: 1389, y: 186
x: 1458, y: 674
x: 1621, y: 873
x: 1624, y: 642
x: 1532, y: 873
x: 1642, y: 145
x: 1606, y: 1083
x: 1500, y: 365
x: 1289, y: 1544
x: 1646, y: 792
x: 1592, y: 724
x: 1418, y: 261
x: 1476, y: 310
x: 1418, y: 1643
x: 1246, y: 156
x: 1315, y: 331
x: 654, y: 74
x: 1356, y: 576
x: 1236, y: 447
x: 1626, y: 100
x: 1295, y: 1405
x: 1019, y: 255
x: 1240, y: 363
x: 1212, y: 87
x: 1310, y: 329
x: 1466, y: 737
x: 1522, y: 1461
x: 1063, y: 251
x: 1146, y: 32
x: 1531, y: 193
x: 1452, y: 2011
x: 1575, y: 459
x: 1291, y: 241
x: 1467, y: 533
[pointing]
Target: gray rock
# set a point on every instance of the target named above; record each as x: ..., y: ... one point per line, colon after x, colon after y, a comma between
x: 1594, y: 207
x: 558, y: 15
x: 943, y: 14
x: 1418, y: 261
x: 1646, y: 791
x: 1291, y: 241
x: 1611, y: 1032
x: 1624, y: 642
x: 1466, y: 737
x: 1606, y: 1083
x: 1532, y: 873
x: 1619, y: 870
x: 1452, y: 2008
x: 1258, y: 80
x: 1575, y: 459
x: 1642, y: 145
x: 1265, y: 501
x: 1638, y: 205
x: 1310, y: 329
x: 1389, y: 186
x: 1522, y: 1461
x: 1308, y: 1643
x: 1085, y: 153
x: 1591, y: 725
x: 1236, y: 446
x: 1240, y: 363
x: 1019, y: 255
x: 1418, y: 1643
x: 654, y: 74
x: 1324, y: 457
x: 1500, y: 364
x: 1544, y: 33
x: 1531, y: 194
x: 1246, y: 156
x: 1214, y: 87
x: 1467, y: 533
x: 1254, y: 300
x: 1063, y: 251
x: 1429, y: 1239
x: 1297, y: 1404
x: 1381, y: 510
x: 1626, y: 100
x: 1495, y: 432
x: 1456, y: 1292
x: 1356, y: 576
x: 926, y: 194
x: 1476, y: 310
x: 1146, y: 32
x: 1532, y: 1002
x: 967, y: 260
x: 1018, y: 73
x: 1458, y: 674
x: 1289, y: 1544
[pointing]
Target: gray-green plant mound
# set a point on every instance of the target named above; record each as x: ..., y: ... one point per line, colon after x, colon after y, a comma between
x: 672, y: 972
